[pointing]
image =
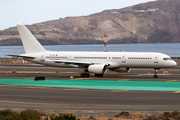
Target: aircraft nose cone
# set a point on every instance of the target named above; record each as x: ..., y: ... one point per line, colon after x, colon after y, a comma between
x: 174, y: 63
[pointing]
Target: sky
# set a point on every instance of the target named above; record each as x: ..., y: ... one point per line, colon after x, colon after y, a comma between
x: 13, y: 12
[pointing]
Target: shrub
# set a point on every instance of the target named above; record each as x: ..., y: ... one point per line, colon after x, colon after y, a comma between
x: 15, y: 116
x: 9, y: 115
x: 174, y: 113
x: 166, y: 114
x: 123, y: 113
x: 42, y: 33
x: 5, y: 113
x: 68, y: 116
x: 30, y: 114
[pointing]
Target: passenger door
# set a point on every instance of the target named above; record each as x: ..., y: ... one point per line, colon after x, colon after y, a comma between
x: 124, y: 59
x: 156, y: 59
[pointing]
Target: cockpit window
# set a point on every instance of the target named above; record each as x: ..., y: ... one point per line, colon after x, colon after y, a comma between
x: 167, y: 59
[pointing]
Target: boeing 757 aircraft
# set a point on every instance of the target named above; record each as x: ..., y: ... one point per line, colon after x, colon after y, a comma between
x: 91, y: 62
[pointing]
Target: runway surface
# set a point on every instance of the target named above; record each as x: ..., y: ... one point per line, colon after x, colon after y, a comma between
x: 68, y: 97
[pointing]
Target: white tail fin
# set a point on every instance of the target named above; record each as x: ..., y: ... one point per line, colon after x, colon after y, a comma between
x: 30, y: 43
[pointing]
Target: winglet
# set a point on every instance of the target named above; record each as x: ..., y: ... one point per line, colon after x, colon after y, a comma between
x: 30, y: 43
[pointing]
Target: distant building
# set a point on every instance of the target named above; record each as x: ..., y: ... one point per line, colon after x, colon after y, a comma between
x: 140, y: 11
x: 149, y: 10
x: 152, y: 10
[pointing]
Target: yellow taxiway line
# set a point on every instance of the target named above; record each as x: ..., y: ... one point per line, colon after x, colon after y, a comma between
x: 124, y: 80
x: 177, y: 92
x: 172, y: 80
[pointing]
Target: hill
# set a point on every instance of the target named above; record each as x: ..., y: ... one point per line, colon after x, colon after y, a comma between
x: 152, y: 22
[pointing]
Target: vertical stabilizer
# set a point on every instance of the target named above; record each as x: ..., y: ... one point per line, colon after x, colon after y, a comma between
x: 30, y: 43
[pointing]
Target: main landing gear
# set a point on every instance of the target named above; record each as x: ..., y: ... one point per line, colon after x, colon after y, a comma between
x: 85, y: 75
x: 98, y: 75
x: 88, y: 75
x: 156, y: 71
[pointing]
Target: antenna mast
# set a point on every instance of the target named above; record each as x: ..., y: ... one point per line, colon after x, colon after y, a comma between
x: 105, y: 43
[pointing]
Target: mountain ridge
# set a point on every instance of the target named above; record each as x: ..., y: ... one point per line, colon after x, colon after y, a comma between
x: 152, y: 22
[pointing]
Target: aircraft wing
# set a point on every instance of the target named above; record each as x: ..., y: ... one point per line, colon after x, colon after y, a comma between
x: 80, y: 63
x: 23, y: 56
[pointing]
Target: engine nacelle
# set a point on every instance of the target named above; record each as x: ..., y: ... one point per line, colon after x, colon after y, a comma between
x: 98, y: 69
x: 121, y: 70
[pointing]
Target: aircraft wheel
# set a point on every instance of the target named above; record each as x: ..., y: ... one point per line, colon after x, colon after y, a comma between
x: 155, y: 76
x: 98, y: 75
x: 84, y: 75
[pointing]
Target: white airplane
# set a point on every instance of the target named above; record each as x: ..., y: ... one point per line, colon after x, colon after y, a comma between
x: 91, y: 62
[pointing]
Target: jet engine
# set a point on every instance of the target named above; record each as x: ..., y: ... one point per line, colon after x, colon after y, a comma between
x: 121, y: 70
x: 98, y: 69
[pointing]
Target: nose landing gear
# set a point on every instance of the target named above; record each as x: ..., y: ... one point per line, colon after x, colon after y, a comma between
x: 156, y: 71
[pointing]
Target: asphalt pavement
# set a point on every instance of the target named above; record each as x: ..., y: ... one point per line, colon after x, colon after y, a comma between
x: 65, y: 98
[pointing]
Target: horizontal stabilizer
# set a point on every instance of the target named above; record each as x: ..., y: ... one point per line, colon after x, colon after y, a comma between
x: 28, y: 57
